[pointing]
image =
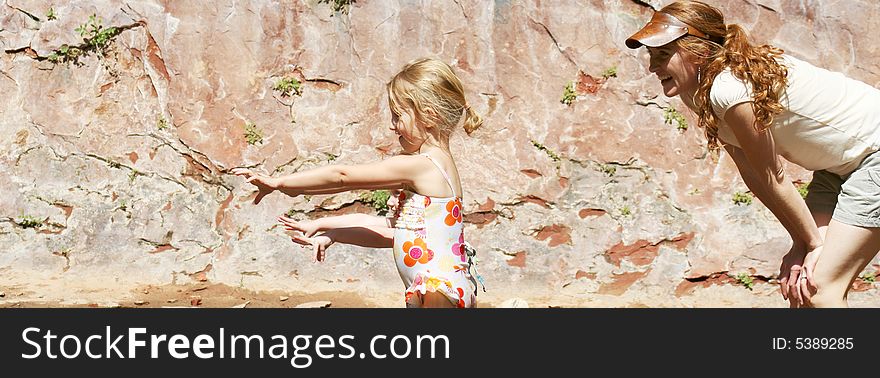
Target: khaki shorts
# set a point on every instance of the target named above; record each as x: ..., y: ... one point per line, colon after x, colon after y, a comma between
x: 853, y: 199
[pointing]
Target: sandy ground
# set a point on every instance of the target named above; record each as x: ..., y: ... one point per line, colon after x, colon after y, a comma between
x: 192, y: 295
x: 28, y: 291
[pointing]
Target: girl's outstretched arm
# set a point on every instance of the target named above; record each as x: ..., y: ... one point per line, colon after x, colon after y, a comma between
x: 372, y: 237
x: 393, y: 173
x: 312, y: 227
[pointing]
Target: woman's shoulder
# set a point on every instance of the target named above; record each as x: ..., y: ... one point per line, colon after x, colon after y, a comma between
x: 725, y: 80
x: 728, y: 90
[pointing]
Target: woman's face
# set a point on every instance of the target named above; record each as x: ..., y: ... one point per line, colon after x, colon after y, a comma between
x: 675, y: 70
x: 410, y: 136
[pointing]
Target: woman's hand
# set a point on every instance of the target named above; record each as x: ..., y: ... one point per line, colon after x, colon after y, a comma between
x: 790, y: 275
x: 307, y: 228
x: 265, y: 184
x: 808, y: 285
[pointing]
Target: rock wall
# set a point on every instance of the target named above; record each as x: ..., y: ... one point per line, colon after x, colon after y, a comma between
x: 116, y: 156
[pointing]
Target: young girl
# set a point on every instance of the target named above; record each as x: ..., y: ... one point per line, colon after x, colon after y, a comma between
x: 761, y: 104
x: 427, y: 103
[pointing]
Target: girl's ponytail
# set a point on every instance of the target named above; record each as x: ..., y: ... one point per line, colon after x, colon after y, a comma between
x: 472, y: 120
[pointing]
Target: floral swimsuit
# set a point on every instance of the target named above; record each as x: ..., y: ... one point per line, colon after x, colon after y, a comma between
x: 429, y: 247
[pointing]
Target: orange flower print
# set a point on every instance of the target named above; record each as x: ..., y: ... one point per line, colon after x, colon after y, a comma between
x: 427, y: 202
x: 454, y: 209
x: 460, y: 298
x: 416, y: 251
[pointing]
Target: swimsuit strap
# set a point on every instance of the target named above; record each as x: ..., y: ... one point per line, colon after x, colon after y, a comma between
x: 448, y: 181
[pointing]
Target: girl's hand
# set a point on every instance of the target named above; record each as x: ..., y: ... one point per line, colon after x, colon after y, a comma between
x: 319, y: 244
x: 307, y: 228
x: 265, y: 184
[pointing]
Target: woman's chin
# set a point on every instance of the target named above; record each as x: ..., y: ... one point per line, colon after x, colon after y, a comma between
x: 671, y: 91
x: 669, y: 88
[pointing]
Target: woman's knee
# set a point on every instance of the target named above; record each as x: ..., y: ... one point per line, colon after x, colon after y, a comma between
x: 828, y: 294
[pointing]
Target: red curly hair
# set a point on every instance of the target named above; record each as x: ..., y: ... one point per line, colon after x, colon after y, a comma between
x: 757, y: 65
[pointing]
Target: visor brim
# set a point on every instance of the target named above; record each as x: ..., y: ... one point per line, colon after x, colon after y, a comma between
x: 655, y: 35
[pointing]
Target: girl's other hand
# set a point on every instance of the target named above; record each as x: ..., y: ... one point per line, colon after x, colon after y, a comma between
x: 265, y: 184
x: 307, y: 228
x: 319, y: 244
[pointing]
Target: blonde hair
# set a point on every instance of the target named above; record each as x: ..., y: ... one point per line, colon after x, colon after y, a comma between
x: 756, y: 65
x: 428, y: 83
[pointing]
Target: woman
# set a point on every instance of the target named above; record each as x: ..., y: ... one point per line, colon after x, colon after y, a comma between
x: 760, y: 104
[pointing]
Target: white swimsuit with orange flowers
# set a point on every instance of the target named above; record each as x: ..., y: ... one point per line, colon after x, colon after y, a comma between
x: 429, y: 247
